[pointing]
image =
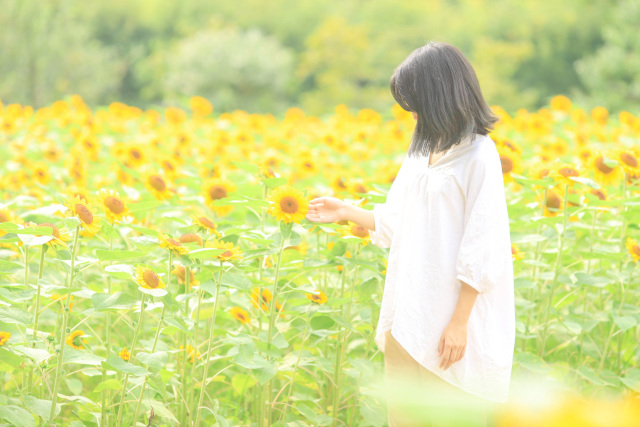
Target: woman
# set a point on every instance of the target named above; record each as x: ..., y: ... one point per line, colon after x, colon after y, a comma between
x: 447, y: 320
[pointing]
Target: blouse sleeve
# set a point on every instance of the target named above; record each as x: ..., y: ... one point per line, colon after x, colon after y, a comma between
x: 384, y: 217
x: 484, y: 257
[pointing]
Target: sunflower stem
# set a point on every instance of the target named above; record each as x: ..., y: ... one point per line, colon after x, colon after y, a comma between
x: 271, y: 323
x: 339, y: 354
x: 131, y: 353
x: 293, y: 375
x: 105, y: 392
x: 65, y: 317
x: 37, y: 314
x: 206, y: 364
x: 155, y: 343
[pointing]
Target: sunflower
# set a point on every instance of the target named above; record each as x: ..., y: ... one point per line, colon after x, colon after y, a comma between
x: 563, y: 172
x: 6, y: 216
x: 4, y: 337
x: 60, y: 236
x: 206, y: 225
x: 263, y: 300
x: 288, y: 204
x: 158, y: 186
x: 318, y: 298
x: 82, y: 209
x: 605, y: 174
x: 180, y: 272
x: 124, y: 354
x: 554, y: 202
x: 240, y: 314
x: 356, y: 230
x: 357, y: 186
x: 634, y: 248
x: 191, y: 354
x: 114, y: 206
x: 41, y: 173
x: 191, y: 238
x: 172, y: 244
x: 135, y: 156
x: 215, y: 189
x: 628, y: 160
x: 516, y: 253
x: 147, y: 278
x: 76, y: 340
x: 560, y: 103
x: 231, y: 253
x: 200, y: 106
x: 510, y: 161
x: 169, y: 166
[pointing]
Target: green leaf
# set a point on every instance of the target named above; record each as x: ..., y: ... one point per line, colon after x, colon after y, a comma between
x: 71, y: 222
x: 121, y: 255
x: 115, y: 362
x: 242, y: 382
x: 321, y: 322
x: 632, y: 379
x: 31, y: 240
x: 9, y: 267
x: 144, y: 231
x: 588, y: 279
x: 15, y: 315
x: 234, y: 280
x: 10, y: 358
x: 17, y: 416
x: 274, y: 182
x: 117, y: 301
x: 111, y: 384
x: 205, y: 253
x: 249, y: 167
x: 35, y: 354
x: 590, y: 375
x: 39, y: 407
x: 82, y: 357
x: 160, y: 410
x: 160, y: 292
x: 155, y: 361
x: 625, y: 322
x: 121, y: 271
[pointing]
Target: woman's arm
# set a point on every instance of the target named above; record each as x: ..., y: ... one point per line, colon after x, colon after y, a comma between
x: 331, y: 209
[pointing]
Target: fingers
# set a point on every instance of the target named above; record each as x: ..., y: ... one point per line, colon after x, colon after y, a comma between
x: 447, y: 356
x: 441, y: 346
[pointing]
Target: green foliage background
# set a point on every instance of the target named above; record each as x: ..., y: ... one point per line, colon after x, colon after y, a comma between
x: 269, y: 55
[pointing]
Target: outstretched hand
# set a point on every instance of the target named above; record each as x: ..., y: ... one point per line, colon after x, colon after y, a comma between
x: 326, y: 209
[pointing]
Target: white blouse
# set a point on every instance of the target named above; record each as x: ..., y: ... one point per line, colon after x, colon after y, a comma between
x: 445, y: 223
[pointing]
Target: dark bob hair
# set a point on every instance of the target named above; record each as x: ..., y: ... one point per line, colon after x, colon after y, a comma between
x: 439, y: 84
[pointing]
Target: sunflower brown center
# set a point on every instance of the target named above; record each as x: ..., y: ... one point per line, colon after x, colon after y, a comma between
x: 359, y: 231
x: 180, y: 272
x: 507, y: 164
x: 601, y: 166
x: 190, y: 238
x: 157, y: 182
x: 567, y: 172
x: 598, y: 193
x: 151, y: 279
x: 136, y: 154
x: 4, y: 217
x: 543, y: 173
x: 240, y: 316
x: 553, y: 200
x: 84, y: 213
x: 629, y: 159
x: 513, y: 250
x: 226, y: 254
x: 289, y: 204
x: 114, y: 204
x: 636, y: 250
x: 55, y: 233
x: 308, y: 165
x: 217, y: 192
x: 81, y: 196
x: 360, y: 188
x: 341, y: 184
x: 174, y: 242
x: 206, y: 222
x: 168, y: 165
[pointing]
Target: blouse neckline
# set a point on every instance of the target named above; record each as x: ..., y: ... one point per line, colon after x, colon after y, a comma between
x: 464, y: 142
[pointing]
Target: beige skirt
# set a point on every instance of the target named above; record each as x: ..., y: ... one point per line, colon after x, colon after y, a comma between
x: 416, y: 397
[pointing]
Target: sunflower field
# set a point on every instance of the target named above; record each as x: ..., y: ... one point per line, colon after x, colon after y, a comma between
x: 156, y: 267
